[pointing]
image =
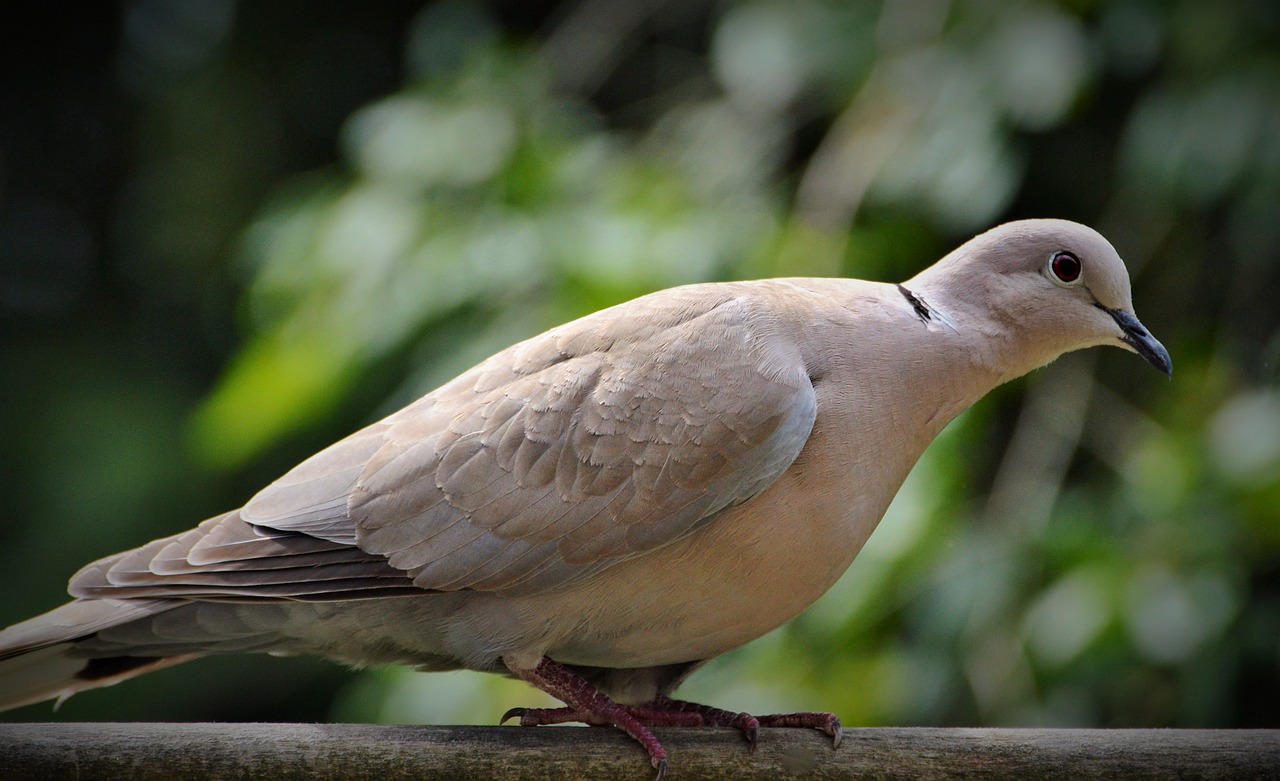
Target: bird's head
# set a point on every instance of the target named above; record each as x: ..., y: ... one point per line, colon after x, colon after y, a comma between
x: 1050, y: 286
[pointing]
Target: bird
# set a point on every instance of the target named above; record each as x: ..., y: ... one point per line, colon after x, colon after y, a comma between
x: 601, y: 509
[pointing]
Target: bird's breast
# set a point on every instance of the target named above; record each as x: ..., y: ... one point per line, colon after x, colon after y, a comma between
x: 755, y: 566
x: 743, y: 573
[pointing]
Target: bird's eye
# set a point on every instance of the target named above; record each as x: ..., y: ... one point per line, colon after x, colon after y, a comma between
x: 1065, y: 268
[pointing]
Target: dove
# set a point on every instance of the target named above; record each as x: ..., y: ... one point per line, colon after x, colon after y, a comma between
x: 601, y: 509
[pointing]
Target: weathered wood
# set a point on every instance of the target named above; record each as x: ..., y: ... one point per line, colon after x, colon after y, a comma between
x: 325, y: 752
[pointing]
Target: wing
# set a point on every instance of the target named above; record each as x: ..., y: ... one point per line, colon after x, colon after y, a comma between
x: 599, y: 440
x: 228, y: 558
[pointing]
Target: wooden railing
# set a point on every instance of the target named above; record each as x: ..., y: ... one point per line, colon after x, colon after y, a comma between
x: 326, y: 752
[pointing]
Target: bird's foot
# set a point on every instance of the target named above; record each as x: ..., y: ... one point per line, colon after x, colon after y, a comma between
x: 666, y: 712
x: 587, y: 704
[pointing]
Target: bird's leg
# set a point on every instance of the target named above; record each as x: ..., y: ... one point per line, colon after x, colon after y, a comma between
x: 587, y: 703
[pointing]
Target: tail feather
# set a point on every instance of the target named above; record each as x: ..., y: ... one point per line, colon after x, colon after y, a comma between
x: 39, y: 658
x: 75, y: 621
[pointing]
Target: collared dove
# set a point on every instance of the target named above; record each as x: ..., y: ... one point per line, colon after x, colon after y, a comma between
x: 602, y: 508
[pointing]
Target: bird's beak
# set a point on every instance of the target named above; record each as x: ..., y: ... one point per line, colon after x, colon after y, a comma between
x: 1141, y: 341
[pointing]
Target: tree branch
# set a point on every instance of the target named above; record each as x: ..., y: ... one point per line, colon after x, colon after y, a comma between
x: 323, y: 752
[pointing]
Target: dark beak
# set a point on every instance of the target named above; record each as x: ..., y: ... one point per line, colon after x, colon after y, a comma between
x: 1141, y: 340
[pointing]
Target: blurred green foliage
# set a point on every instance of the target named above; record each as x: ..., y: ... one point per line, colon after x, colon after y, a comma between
x: 231, y: 233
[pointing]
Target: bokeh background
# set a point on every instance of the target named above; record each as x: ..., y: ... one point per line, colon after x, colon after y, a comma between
x: 231, y: 233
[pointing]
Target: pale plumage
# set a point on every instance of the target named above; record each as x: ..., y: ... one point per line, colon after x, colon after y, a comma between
x: 620, y: 498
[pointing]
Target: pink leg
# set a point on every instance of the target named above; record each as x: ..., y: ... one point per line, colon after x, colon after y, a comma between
x: 588, y: 705
x: 585, y: 700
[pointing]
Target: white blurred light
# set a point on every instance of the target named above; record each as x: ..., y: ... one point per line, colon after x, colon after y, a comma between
x: 367, y: 231
x: 1244, y: 436
x: 1197, y: 145
x: 1039, y: 58
x: 420, y: 143
x: 720, y: 152
x: 757, y: 55
x: 1067, y: 617
x: 1169, y: 617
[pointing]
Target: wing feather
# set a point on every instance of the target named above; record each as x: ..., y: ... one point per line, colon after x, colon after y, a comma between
x: 608, y: 445
x: 596, y: 441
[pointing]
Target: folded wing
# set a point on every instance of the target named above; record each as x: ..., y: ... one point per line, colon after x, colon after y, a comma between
x: 599, y: 440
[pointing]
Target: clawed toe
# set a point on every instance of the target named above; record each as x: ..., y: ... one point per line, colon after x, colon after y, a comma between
x: 536, y: 717
x: 828, y: 723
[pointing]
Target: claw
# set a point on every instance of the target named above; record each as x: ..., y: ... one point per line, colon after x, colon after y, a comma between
x: 836, y: 731
x: 750, y: 727
x: 511, y: 714
x: 661, y: 766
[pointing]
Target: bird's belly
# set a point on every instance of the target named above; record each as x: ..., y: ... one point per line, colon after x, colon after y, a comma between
x: 719, y: 588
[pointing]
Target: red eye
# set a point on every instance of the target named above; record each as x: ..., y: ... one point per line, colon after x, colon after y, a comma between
x: 1065, y: 266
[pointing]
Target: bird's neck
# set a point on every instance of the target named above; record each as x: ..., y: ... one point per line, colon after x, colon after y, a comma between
x: 893, y: 373
x: 987, y: 342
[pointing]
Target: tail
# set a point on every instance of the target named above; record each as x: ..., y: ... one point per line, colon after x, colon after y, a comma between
x: 51, y: 656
